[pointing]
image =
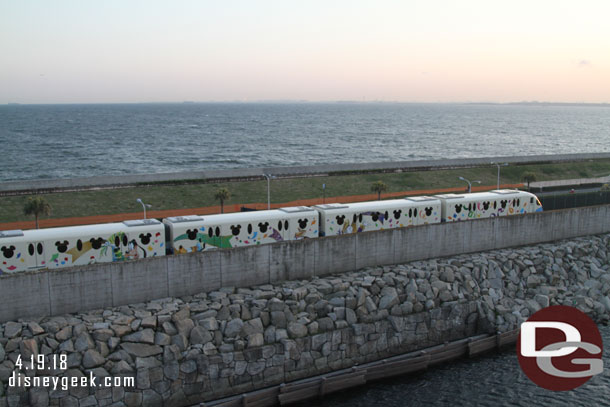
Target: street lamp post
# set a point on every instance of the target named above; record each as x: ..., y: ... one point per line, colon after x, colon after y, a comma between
x: 269, y: 177
x: 499, y: 165
x: 323, y: 193
x: 469, y: 183
x: 144, y: 206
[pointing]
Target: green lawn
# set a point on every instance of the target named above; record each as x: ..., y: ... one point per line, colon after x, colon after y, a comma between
x: 104, y: 202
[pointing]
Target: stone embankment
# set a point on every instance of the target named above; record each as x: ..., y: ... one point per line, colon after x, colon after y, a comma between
x: 181, y: 351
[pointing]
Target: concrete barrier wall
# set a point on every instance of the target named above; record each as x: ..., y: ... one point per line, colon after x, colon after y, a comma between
x: 78, y: 289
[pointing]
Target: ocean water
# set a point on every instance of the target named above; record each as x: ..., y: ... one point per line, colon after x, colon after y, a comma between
x: 67, y: 141
x: 494, y: 380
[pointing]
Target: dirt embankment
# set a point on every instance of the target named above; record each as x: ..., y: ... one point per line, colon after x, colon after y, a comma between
x: 209, y: 210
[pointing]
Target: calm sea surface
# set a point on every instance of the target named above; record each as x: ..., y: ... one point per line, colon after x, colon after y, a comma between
x: 495, y: 380
x: 67, y: 141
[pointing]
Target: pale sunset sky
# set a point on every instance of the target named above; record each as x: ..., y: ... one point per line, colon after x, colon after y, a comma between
x: 79, y: 51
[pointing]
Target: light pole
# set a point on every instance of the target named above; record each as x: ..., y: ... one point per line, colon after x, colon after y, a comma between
x: 323, y: 193
x: 144, y: 206
x: 469, y: 183
x: 269, y: 177
x: 499, y: 165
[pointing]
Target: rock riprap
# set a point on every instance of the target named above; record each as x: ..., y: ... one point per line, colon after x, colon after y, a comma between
x: 181, y: 351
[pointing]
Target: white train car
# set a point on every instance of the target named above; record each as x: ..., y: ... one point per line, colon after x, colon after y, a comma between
x: 80, y: 245
x: 339, y: 219
x: 197, y: 233
x: 500, y: 202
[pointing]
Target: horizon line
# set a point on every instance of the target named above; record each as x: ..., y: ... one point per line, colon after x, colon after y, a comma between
x: 304, y: 101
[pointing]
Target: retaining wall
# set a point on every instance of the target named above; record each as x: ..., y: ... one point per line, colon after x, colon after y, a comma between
x: 78, y: 289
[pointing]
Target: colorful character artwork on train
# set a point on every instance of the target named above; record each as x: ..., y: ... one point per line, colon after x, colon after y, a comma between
x: 200, y: 239
x: 342, y: 225
x: 12, y: 258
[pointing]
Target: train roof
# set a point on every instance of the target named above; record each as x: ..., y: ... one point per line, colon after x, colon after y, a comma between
x: 370, y: 205
x: 75, y: 231
x: 237, y: 217
x: 490, y: 195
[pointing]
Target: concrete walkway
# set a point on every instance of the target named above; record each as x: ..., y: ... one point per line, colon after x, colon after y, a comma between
x: 49, y: 185
x: 569, y: 182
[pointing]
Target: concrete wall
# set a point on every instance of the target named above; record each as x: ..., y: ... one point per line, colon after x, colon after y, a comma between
x: 57, y: 292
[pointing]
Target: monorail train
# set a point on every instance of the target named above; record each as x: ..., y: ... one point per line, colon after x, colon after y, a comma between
x: 136, y: 239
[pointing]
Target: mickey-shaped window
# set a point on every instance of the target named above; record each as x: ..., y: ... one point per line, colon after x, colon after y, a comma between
x: 96, y: 243
x: 235, y: 229
x: 62, y: 247
x: 263, y: 226
x: 8, y: 251
x: 145, y: 238
x: 397, y: 214
x: 340, y: 219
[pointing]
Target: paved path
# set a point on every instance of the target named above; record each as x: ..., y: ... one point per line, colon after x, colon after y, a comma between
x: 570, y: 182
x: 49, y: 185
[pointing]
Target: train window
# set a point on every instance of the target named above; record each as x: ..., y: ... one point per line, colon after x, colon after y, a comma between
x: 495, y: 204
x: 410, y: 213
x: 354, y: 218
x: 79, y: 245
x: 31, y: 249
x: 360, y: 218
x: 217, y: 231
x: 125, y: 241
x: 210, y: 232
x: 39, y: 248
x: 386, y: 215
x: 8, y: 251
x: 249, y: 228
x: 117, y: 241
x: 531, y: 200
x: 279, y: 225
x: 286, y: 224
x: 519, y: 202
x: 415, y: 212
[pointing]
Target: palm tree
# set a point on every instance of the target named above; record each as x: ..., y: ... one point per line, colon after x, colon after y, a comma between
x: 37, y: 206
x: 379, y: 187
x: 222, y: 195
x: 528, y: 177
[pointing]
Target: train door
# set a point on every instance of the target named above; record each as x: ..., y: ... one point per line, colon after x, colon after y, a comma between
x: 36, y: 254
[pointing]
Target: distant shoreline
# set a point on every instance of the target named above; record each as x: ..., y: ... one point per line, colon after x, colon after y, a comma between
x: 342, y: 102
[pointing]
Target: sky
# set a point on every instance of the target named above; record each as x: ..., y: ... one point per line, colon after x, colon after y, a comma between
x: 82, y: 51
